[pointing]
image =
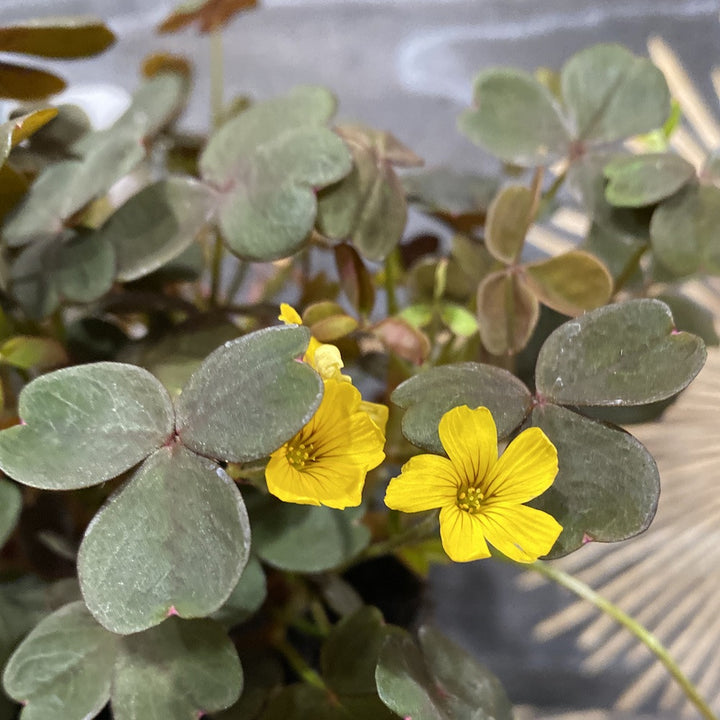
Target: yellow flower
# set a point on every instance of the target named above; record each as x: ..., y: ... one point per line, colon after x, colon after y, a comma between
x: 327, y: 461
x: 481, y: 496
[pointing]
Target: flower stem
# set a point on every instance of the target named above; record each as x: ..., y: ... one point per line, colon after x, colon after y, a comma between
x: 426, y: 528
x: 392, y: 267
x: 216, y: 108
x: 639, y: 631
x: 298, y: 664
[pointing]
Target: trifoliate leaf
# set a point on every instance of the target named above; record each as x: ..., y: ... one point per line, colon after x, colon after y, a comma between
x: 509, y: 217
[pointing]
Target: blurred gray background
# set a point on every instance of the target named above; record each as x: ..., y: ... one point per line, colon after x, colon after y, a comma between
x: 407, y: 66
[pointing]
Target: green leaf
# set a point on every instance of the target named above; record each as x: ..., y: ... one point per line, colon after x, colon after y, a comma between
x: 458, y: 319
x: 507, y: 312
x: 26, y: 352
x: 64, y: 667
x: 301, y: 702
x: 263, y: 675
x: 607, y: 486
x: 14, y: 187
x: 611, y: 94
x: 156, y: 225
x: 185, y: 539
x: 438, y: 681
x: 181, y: 669
x: 461, y: 197
x: 508, y: 219
x: 691, y: 316
x: 85, y: 268
x: 368, y: 206
x: 246, y: 598
x: 428, y: 396
x: 685, y: 231
x: 24, y: 83
x: 328, y: 321
x: 268, y: 162
x: 350, y: 653
x: 14, y: 131
x: 66, y: 187
x: 85, y: 424
x: 516, y: 119
x: 571, y: 283
x: 638, y: 180
x: 622, y: 354
x: 305, y: 538
x: 57, y: 37
x: 399, y: 335
x: 249, y: 396
x: 10, y: 507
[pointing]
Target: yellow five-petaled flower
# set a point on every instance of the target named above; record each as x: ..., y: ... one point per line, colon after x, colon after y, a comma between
x: 481, y: 496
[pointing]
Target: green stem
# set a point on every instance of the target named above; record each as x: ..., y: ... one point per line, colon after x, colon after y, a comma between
x: 392, y: 270
x: 298, y: 664
x: 641, y: 633
x: 426, y: 528
x: 217, y: 63
x: 237, y: 280
x: 217, y: 68
x: 549, y: 196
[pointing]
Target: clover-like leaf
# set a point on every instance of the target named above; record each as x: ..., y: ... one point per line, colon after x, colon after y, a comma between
x: 28, y: 351
x: 509, y: 217
x: 428, y: 396
x: 691, y: 316
x: 607, y: 486
x: 156, y: 225
x: 208, y: 14
x: 10, y: 506
x: 64, y: 667
x: 68, y: 37
x: 516, y: 119
x: 611, y: 94
x: 368, y: 207
x: 350, y: 653
x: 183, y: 530
x: 621, y: 354
x: 85, y: 424
x: 180, y: 670
x: 268, y: 162
x: 619, y: 253
x: 638, y: 180
x: 78, y: 267
x: 571, y: 283
x: 249, y: 396
x: 507, y: 311
x: 69, y: 666
x: 25, y: 83
x: 355, y: 278
x: 304, y: 538
x: 685, y: 231
x: 438, y: 681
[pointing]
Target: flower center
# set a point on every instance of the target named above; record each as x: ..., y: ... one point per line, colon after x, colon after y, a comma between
x: 470, y: 499
x: 300, y: 455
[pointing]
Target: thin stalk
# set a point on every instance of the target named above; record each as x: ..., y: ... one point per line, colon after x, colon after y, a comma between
x: 639, y: 631
x: 217, y: 71
x: 298, y: 664
x: 415, y: 533
x: 392, y: 267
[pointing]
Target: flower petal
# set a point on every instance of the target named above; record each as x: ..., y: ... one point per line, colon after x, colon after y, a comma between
x: 377, y: 412
x: 470, y: 440
x: 289, y: 315
x: 285, y: 482
x: 462, y: 535
x: 526, y: 469
x: 520, y: 532
x: 425, y: 482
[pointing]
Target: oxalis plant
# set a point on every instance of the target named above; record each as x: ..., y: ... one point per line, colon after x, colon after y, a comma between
x: 197, y: 474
